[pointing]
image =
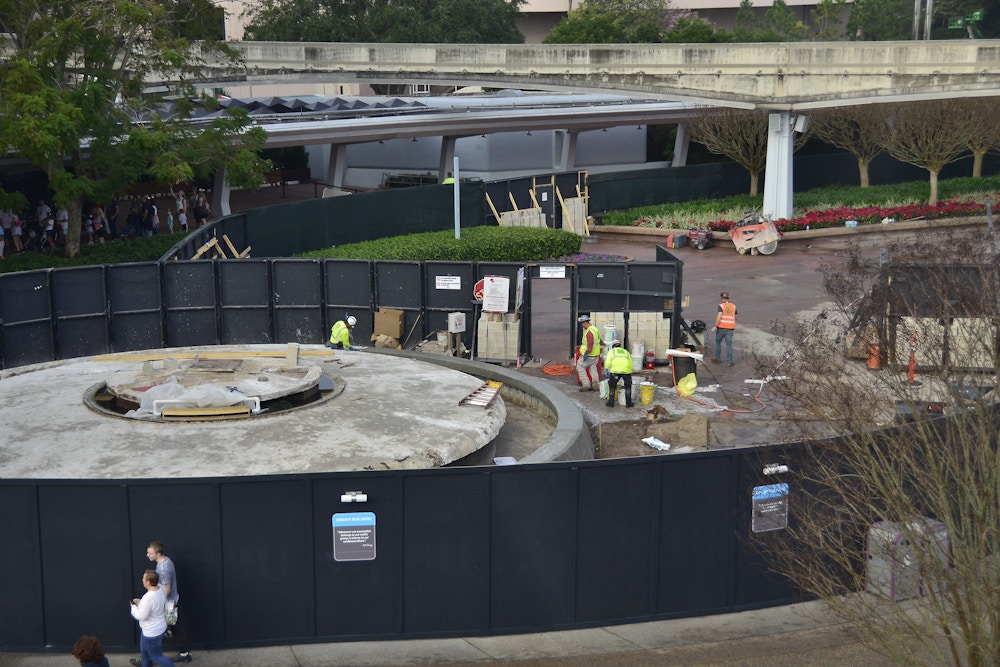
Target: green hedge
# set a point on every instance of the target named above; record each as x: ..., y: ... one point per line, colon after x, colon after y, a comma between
x: 119, y: 251
x: 477, y: 244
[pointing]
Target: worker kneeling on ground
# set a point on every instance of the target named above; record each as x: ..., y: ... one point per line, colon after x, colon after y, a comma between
x: 618, y: 362
x: 340, y: 334
x: 588, y: 354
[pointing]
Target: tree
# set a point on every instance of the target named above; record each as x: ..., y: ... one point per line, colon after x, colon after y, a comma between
x: 627, y: 22
x: 72, y: 101
x: 746, y: 22
x: 826, y: 16
x: 860, y: 130
x: 928, y: 134
x: 880, y: 20
x: 695, y: 31
x: 739, y: 135
x: 984, y: 129
x: 902, y: 491
x: 382, y: 21
x: 778, y: 25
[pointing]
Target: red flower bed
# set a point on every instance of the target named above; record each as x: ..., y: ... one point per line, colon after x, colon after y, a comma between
x: 869, y: 215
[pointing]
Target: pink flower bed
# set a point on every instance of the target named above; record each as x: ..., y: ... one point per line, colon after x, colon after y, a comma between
x: 869, y: 215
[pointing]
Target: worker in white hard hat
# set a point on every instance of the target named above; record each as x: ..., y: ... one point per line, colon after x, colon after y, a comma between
x: 618, y: 364
x: 588, y: 354
x: 340, y: 334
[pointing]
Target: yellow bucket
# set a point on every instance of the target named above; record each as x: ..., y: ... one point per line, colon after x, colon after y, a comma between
x: 647, y: 391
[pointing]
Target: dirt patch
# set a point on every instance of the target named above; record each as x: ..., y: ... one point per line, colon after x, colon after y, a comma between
x: 625, y: 438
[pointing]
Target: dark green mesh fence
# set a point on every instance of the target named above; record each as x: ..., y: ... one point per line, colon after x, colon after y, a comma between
x: 287, y: 229
x: 630, y: 189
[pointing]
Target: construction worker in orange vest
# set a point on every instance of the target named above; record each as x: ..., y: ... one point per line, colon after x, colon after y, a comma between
x: 725, y: 325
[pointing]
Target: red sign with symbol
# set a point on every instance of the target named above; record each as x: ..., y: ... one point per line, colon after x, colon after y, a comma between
x: 477, y: 290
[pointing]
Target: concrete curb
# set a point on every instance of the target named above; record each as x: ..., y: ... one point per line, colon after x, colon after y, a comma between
x: 571, y: 439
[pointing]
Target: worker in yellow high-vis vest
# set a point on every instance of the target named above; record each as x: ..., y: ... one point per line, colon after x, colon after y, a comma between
x: 618, y: 364
x: 588, y: 354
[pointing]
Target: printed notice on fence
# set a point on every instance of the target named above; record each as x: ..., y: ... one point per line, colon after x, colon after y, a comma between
x: 354, y: 536
x: 770, y: 508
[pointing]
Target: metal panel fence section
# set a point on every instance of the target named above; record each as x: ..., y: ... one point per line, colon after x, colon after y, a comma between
x: 80, y: 309
x: 448, y: 288
x: 297, y: 298
x: 518, y: 297
x: 135, y: 306
x: 349, y: 286
x: 245, y: 302
x: 189, y: 303
x: 528, y: 549
x: 26, y: 318
x: 631, y: 287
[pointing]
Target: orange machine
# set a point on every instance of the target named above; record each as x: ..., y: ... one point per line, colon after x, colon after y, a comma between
x: 755, y: 234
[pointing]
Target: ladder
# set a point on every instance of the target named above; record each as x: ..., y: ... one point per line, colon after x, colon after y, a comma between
x: 483, y: 396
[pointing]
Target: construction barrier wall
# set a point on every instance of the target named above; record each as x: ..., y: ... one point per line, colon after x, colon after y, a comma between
x: 82, y: 311
x: 458, y: 552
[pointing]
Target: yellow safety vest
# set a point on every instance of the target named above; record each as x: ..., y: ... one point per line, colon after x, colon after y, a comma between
x: 341, y: 333
x: 595, y: 350
x: 618, y: 361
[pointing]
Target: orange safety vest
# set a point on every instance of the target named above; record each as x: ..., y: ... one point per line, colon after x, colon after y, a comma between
x: 728, y: 319
x: 595, y: 349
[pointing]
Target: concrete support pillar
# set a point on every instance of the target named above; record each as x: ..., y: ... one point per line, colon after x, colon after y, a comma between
x: 220, y: 195
x: 681, y: 143
x: 447, y: 157
x: 565, y: 145
x: 778, y: 171
x: 337, y: 165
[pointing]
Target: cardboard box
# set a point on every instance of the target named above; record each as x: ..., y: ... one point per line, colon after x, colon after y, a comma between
x: 389, y: 322
x: 381, y: 340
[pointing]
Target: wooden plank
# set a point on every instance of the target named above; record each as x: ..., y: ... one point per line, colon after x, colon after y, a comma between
x: 212, y: 411
x: 156, y: 356
x: 562, y: 202
x: 494, y: 209
x: 533, y: 199
x: 231, y: 248
x: 513, y: 202
x: 205, y: 248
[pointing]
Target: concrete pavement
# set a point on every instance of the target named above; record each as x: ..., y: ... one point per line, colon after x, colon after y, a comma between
x: 800, y: 635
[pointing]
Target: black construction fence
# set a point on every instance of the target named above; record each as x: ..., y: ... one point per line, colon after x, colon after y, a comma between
x: 74, y: 312
x: 453, y: 552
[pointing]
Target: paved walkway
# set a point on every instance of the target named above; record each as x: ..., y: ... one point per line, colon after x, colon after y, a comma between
x: 800, y: 635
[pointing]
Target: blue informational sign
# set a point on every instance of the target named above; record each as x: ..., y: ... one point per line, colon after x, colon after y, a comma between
x: 770, y: 508
x: 354, y: 536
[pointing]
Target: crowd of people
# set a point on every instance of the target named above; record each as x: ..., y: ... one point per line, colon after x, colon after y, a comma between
x: 44, y: 229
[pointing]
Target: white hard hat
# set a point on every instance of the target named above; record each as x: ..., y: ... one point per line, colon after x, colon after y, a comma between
x: 351, y: 321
